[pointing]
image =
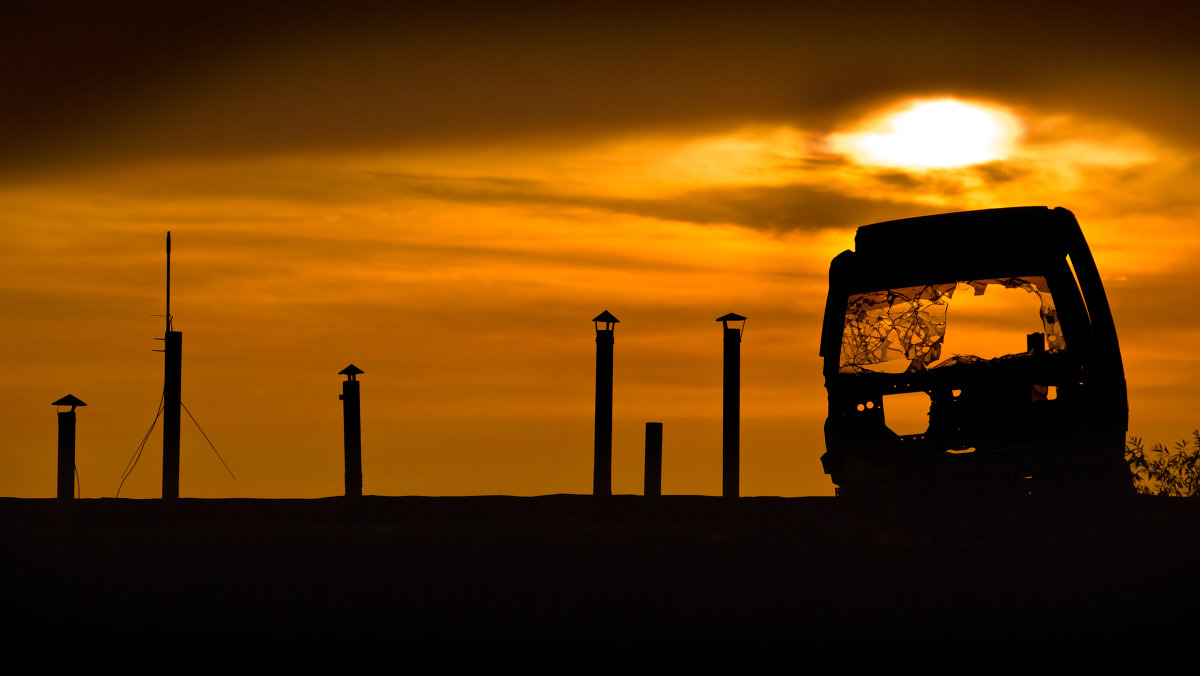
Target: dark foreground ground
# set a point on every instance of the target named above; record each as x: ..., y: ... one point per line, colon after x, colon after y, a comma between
x: 571, y: 581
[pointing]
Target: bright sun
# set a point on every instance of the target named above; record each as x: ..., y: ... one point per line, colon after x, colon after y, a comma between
x: 927, y: 134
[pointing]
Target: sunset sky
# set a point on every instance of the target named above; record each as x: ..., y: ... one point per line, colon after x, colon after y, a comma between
x: 445, y: 194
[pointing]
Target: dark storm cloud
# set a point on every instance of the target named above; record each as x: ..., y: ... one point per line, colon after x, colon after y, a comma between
x: 92, y: 83
x: 792, y: 207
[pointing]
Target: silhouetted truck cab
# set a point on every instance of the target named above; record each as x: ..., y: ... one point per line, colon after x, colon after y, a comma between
x: 972, y: 351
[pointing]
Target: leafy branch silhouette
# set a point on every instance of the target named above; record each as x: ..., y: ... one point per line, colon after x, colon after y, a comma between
x: 1165, y: 471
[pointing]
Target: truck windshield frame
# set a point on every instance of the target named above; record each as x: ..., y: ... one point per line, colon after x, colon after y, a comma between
x: 1047, y: 407
x: 910, y: 325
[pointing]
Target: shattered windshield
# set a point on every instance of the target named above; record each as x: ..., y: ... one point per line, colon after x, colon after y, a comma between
x: 908, y: 329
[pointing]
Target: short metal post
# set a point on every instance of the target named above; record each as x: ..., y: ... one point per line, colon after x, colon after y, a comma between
x: 654, y: 436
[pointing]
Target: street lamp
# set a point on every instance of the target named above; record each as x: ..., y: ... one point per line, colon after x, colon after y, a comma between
x: 352, y: 430
x: 602, y: 470
x: 66, y: 446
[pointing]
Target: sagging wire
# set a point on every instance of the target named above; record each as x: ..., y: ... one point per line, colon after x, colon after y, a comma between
x: 137, y: 454
x: 210, y: 443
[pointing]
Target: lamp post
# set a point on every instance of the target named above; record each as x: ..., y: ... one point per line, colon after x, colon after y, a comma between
x: 352, y: 427
x: 602, y: 471
x: 66, y: 447
x: 731, y: 424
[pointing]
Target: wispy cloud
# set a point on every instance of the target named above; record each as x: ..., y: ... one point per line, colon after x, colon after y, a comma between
x: 783, y: 208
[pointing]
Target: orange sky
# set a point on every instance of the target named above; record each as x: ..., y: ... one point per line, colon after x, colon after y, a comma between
x: 446, y: 197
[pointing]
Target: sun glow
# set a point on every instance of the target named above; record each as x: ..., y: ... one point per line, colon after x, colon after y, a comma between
x: 929, y: 134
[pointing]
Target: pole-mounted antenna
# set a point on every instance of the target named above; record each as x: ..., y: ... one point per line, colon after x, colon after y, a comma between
x: 172, y: 368
x: 171, y: 405
x: 168, y: 280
